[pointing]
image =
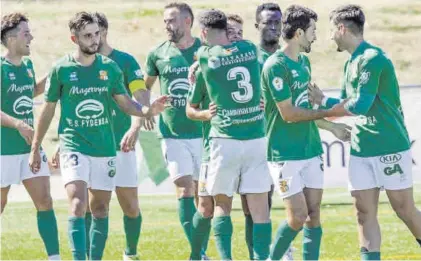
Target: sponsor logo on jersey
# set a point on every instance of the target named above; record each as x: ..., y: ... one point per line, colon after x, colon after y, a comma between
x: 103, y: 75
x: 364, y: 78
x: 278, y: 83
x: 299, y: 85
x: 20, y: 89
x: 179, y: 88
x: 73, y: 77
x: 12, y: 76
x: 231, y: 50
x: 301, y: 99
x: 390, y: 159
x: 30, y: 74
x: 214, y: 62
x: 89, y: 109
x: 23, y: 105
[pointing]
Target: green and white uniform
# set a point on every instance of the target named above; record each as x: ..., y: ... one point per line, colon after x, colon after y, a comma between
x: 232, y: 79
x: 294, y: 151
x: 181, y: 137
x: 380, y: 146
x: 126, y: 164
x: 17, y: 92
x: 87, y: 143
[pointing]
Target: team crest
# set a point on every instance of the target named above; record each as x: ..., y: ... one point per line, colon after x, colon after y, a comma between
x: 364, y: 77
x: 30, y: 74
x: 283, y: 186
x: 103, y: 75
x: 278, y: 83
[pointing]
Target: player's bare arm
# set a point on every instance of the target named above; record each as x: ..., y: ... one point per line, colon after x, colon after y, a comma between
x: 291, y: 113
x: 46, y: 116
x: 340, y: 130
x: 134, y: 108
x: 26, y: 131
x: 194, y: 112
x: 40, y: 85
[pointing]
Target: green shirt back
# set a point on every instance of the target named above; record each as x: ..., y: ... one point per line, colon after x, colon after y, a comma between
x: 199, y: 95
x: 86, y: 98
x: 382, y: 130
x: 171, y: 65
x: 17, y: 91
x: 232, y: 78
x: 283, y: 78
x: 131, y: 71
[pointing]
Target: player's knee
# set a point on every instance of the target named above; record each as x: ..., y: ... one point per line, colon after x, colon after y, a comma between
x: 44, y: 203
x: 313, y: 219
x: 185, y: 192
x: 364, y: 217
x: 78, y: 207
x: 3, y: 203
x: 131, y: 210
x: 99, y: 209
x: 298, y: 219
x: 205, y: 207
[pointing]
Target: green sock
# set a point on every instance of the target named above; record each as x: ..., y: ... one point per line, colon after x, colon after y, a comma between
x: 200, y: 230
x: 99, y: 234
x: 249, y: 235
x: 88, y: 222
x: 311, y: 243
x: 47, y: 227
x: 284, y: 236
x: 77, y: 238
x: 262, y: 235
x: 132, y: 227
x: 186, y: 210
x: 222, y: 227
x: 206, y: 239
x: 365, y: 255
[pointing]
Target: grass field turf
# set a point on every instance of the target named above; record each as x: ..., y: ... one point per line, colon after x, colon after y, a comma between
x: 162, y: 236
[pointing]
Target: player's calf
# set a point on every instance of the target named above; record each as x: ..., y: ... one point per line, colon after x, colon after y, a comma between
x: 4, y: 193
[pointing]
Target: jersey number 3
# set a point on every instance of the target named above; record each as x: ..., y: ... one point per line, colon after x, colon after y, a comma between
x: 245, y: 94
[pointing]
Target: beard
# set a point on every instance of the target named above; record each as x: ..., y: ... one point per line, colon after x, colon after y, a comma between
x: 89, y: 50
x: 307, y: 49
x: 175, y: 36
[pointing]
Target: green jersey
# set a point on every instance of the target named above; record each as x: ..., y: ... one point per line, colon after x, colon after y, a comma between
x: 263, y: 55
x: 382, y: 129
x: 171, y: 65
x: 283, y: 78
x: 17, y: 92
x: 86, y: 98
x: 199, y: 95
x: 131, y: 71
x: 232, y: 78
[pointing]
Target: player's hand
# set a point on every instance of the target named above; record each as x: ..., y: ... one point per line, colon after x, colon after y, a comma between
x: 55, y: 161
x: 262, y: 104
x: 129, y: 140
x: 192, y: 72
x: 211, y: 111
x: 35, y: 160
x: 26, y: 131
x: 148, y: 123
x: 158, y: 106
x: 342, y: 131
x: 315, y: 94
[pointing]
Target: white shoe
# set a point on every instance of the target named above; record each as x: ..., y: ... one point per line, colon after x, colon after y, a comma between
x: 205, y: 257
x: 288, y: 255
x: 54, y: 257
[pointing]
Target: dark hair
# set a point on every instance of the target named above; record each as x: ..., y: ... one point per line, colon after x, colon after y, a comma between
x: 102, y: 20
x: 236, y: 18
x: 266, y: 6
x: 352, y: 16
x: 10, y: 22
x: 183, y: 8
x: 80, y: 20
x: 213, y: 19
x: 296, y: 17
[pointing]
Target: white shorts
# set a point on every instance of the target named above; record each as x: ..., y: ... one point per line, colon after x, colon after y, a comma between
x: 97, y: 172
x: 183, y: 157
x: 15, y: 168
x: 391, y: 172
x: 238, y: 165
x: 290, y: 177
x: 126, y: 167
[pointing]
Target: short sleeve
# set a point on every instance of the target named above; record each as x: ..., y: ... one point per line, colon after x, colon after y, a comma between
x: 52, y: 86
x: 197, y: 91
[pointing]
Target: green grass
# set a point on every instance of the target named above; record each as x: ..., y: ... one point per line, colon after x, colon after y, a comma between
x: 162, y: 237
